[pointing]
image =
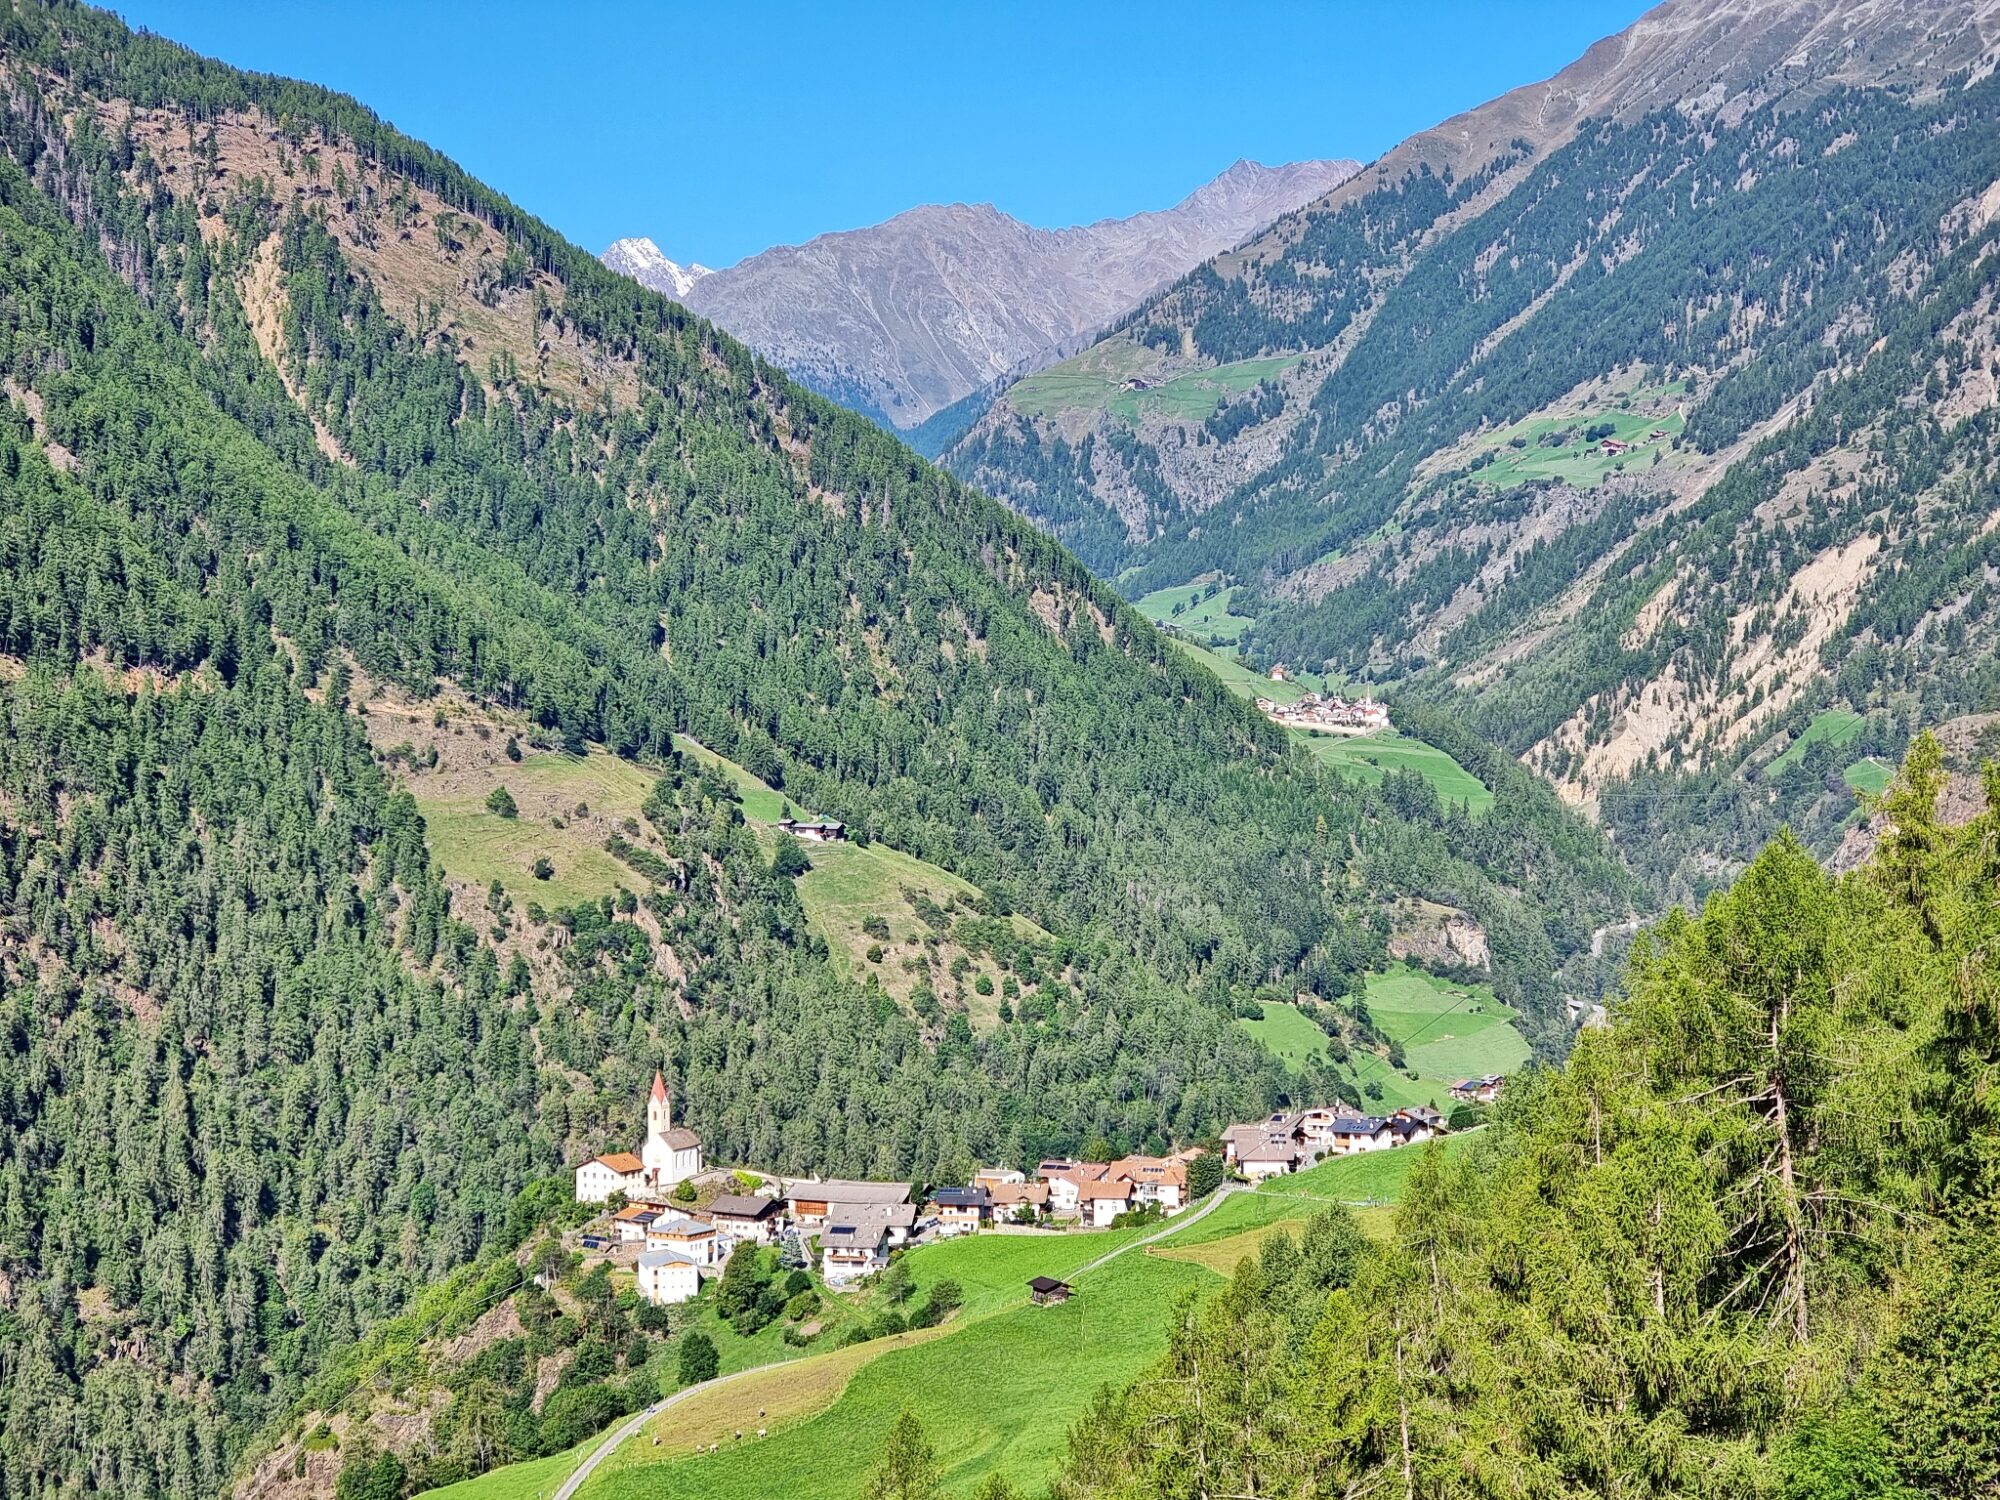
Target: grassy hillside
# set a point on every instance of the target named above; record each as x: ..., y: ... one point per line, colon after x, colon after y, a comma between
x: 304, y: 430
x: 1286, y: 1033
x: 1370, y: 757
x: 1447, y: 1031
x: 1191, y: 607
x: 996, y: 1390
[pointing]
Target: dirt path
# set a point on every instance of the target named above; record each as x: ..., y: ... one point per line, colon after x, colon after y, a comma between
x: 1174, y: 1226
x: 1630, y: 927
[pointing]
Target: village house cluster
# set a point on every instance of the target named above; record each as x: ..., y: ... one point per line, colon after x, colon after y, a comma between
x: 1292, y: 1140
x: 1328, y: 713
x: 676, y: 1236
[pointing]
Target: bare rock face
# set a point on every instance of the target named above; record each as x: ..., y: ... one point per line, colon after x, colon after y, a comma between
x: 1427, y: 933
x: 904, y: 318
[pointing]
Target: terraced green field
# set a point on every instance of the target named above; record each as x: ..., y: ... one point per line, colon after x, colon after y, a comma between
x: 1371, y: 757
x: 1286, y: 1032
x: 1576, y: 461
x: 1205, y: 619
x: 1837, y: 726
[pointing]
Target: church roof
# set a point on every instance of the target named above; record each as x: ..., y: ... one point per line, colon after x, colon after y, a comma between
x: 681, y: 1139
x: 659, y: 1084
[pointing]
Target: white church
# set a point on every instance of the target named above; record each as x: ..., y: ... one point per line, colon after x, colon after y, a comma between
x: 669, y: 1157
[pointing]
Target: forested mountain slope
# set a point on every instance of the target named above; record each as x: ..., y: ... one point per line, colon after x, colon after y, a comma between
x: 302, y: 425
x: 1741, y: 1245
x: 1640, y: 414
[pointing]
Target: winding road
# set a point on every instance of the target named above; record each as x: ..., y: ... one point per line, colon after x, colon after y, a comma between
x: 638, y: 1419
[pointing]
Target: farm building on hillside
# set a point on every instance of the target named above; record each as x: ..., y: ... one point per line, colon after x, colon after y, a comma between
x: 961, y: 1210
x: 1481, y: 1090
x: 1046, y: 1291
x: 811, y: 1200
x: 818, y: 833
x: 747, y: 1218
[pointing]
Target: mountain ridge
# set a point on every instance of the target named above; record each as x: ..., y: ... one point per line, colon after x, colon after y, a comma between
x: 346, y: 492
x: 903, y: 318
x: 1425, y: 426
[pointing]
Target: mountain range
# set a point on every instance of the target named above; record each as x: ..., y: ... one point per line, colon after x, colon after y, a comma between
x: 413, y: 638
x: 1642, y: 417
x: 908, y: 317
x: 418, y: 642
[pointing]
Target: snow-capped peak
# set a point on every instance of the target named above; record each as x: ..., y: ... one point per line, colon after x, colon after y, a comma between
x: 641, y: 259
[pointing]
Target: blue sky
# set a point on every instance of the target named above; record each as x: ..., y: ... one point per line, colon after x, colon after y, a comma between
x: 722, y: 128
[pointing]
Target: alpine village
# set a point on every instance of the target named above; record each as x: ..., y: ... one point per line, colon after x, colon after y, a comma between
x: 1325, y: 828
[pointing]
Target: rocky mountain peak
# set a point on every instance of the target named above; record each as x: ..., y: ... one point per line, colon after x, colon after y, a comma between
x: 644, y: 262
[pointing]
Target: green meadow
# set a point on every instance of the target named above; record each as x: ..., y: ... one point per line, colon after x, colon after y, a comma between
x: 478, y: 846
x: 1870, y: 776
x: 1244, y: 681
x: 1577, y: 461
x: 1371, y: 757
x: 1102, y: 379
x: 1836, y: 726
x: 1286, y: 1032
x: 1206, y: 619
x: 1448, y: 1031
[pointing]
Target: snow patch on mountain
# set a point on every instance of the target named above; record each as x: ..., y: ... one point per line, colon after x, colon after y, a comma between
x: 642, y: 260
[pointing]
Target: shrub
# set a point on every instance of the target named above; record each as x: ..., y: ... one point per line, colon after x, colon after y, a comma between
x: 1204, y: 1175
x: 500, y: 802
x: 698, y: 1361
x: 544, y: 868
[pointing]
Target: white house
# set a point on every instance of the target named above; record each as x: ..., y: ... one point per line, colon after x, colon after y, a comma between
x: 1066, y: 1181
x: 1156, y: 1180
x: 1350, y: 1137
x: 848, y: 1251
x: 689, y: 1237
x: 614, y: 1172
x: 740, y: 1217
x: 1268, y: 1159
x: 1104, y: 1200
x: 668, y: 1276
x: 857, y: 1237
x: 633, y: 1220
